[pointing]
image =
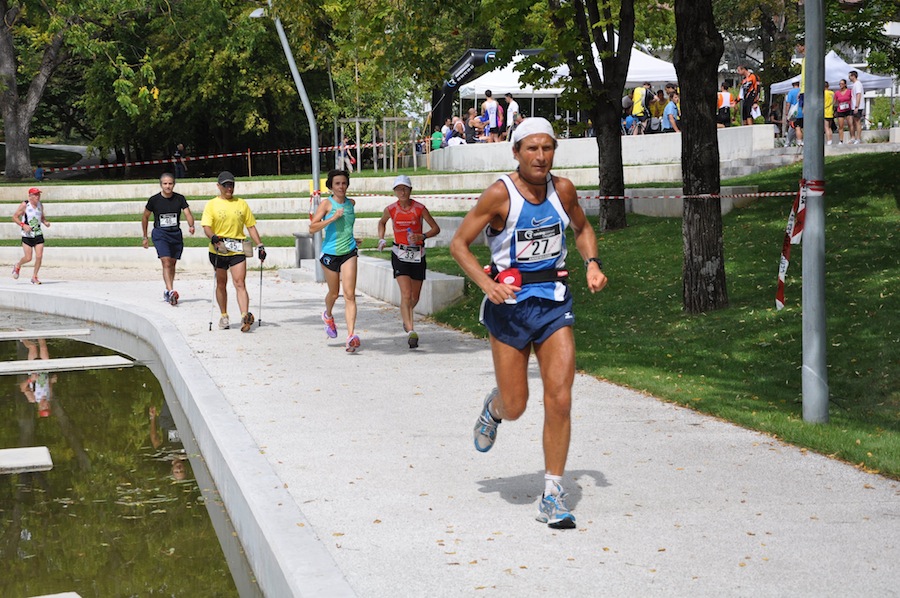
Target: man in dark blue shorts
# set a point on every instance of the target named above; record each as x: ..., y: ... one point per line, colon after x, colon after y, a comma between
x: 527, y: 305
x: 166, y: 207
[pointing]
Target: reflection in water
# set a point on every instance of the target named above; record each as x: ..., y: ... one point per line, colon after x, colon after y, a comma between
x: 37, y: 387
x: 120, y: 513
x: 165, y: 439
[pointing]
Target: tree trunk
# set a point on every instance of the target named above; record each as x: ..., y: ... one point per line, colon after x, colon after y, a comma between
x: 16, y: 111
x: 593, y: 21
x: 607, y: 129
x: 698, y: 48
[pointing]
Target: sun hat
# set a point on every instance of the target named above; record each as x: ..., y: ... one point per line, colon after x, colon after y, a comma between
x: 402, y: 179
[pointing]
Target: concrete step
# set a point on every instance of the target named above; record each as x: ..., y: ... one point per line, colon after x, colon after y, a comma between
x: 365, y: 228
x: 25, y: 459
x: 7, y: 335
x: 63, y: 364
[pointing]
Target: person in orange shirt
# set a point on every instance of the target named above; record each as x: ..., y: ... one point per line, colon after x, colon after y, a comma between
x: 724, y: 102
x: 749, y: 93
x: 408, y: 250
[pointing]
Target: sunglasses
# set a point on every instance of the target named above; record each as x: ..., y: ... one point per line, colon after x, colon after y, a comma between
x: 228, y: 185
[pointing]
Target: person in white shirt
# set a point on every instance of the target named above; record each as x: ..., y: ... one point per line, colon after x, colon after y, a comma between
x: 456, y: 139
x: 489, y: 108
x: 512, y: 109
x: 856, y: 105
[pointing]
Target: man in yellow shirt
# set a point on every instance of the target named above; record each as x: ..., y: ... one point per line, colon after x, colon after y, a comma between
x: 224, y: 220
x: 829, y: 113
x: 641, y: 100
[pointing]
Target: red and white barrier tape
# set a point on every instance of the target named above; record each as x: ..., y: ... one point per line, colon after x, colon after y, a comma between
x: 728, y: 196
x: 793, y: 232
x: 289, y: 152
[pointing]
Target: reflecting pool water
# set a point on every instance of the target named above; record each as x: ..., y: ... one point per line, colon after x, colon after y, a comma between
x: 121, y: 512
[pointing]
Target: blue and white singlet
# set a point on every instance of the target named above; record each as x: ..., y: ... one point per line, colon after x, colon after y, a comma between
x: 533, y: 239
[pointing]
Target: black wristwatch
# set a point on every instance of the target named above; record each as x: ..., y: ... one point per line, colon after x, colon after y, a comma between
x: 593, y: 259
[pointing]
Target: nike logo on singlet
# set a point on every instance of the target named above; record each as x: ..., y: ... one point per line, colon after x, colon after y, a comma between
x: 536, y: 222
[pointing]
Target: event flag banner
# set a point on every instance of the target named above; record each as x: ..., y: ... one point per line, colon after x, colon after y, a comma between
x: 793, y: 233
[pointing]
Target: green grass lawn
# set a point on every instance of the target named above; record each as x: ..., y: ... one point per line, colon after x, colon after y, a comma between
x: 743, y: 363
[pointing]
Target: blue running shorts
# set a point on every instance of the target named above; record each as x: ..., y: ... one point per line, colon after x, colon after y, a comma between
x: 530, y: 321
x: 167, y: 243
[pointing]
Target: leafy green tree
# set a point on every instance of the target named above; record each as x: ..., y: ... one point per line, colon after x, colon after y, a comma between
x: 577, y: 31
x: 771, y: 28
x: 36, y: 38
x: 380, y: 54
x: 861, y: 26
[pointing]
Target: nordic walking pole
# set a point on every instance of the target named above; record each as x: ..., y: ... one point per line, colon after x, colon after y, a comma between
x: 259, y: 320
x: 212, y: 308
x: 261, y: 254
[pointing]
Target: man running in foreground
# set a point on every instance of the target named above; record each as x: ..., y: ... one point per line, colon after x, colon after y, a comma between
x: 527, y: 301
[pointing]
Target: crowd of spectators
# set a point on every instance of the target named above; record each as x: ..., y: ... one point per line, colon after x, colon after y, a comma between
x: 494, y: 124
x: 645, y: 111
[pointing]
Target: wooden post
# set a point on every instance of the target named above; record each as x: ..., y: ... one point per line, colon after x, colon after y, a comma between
x: 249, y: 165
x: 279, y: 162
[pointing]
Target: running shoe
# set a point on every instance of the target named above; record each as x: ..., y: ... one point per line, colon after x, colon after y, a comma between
x: 413, y: 339
x: 15, y: 271
x: 486, y: 427
x: 166, y: 296
x: 224, y: 324
x: 173, y: 298
x: 246, y: 321
x: 330, y: 327
x: 554, y: 512
x: 34, y: 280
x: 352, y: 343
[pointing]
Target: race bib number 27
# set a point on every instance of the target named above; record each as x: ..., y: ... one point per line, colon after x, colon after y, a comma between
x: 538, y: 244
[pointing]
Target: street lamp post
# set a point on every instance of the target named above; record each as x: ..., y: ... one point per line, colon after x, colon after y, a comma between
x: 814, y: 377
x: 313, y: 130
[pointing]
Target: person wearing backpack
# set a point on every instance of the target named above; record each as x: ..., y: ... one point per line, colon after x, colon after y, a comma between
x: 640, y: 107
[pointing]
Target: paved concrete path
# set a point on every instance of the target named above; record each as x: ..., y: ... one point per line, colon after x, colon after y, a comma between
x: 376, y: 450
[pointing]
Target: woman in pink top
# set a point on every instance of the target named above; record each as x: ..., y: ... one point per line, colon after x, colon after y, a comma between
x: 843, y: 108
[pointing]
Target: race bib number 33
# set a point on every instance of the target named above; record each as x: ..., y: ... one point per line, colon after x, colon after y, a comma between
x: 538, y: 244
x: 408, y: 253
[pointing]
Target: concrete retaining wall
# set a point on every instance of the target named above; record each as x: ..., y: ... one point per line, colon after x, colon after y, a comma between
x: 376, y: 279
x: 641, y: 150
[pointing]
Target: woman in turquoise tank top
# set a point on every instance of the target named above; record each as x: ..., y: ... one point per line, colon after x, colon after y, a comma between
x: 336, y: 216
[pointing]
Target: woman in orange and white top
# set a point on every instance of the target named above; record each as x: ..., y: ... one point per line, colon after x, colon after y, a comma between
x: 408, y: 250
x: 724, y: 102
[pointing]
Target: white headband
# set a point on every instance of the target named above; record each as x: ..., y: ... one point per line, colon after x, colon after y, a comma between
x: 532, y: 126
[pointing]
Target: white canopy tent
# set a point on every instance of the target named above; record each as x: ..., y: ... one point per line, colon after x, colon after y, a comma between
x: 642, y: 67
x: 505, y: 80
x: 836, y: 68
